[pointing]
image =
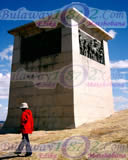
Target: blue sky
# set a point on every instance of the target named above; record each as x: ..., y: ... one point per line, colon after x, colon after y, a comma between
x: 118, y: 47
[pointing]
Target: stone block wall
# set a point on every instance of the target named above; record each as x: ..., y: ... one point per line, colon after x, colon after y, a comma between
x: 52, y: 107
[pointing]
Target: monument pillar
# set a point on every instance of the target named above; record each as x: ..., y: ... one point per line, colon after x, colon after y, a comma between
x: 92, y: 90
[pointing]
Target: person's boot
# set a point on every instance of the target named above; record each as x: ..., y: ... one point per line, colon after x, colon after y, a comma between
x: 16, y: 152
x: 28, y: 154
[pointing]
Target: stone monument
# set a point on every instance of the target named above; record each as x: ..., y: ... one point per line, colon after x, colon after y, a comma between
x: 63, y: 73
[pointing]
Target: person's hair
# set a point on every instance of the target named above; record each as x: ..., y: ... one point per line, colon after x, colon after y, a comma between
x: 23, y: 109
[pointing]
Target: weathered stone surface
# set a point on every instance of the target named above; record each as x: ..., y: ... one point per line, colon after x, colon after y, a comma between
x: 16, y: 56
x: 63, y: 99
x: 90, y: 99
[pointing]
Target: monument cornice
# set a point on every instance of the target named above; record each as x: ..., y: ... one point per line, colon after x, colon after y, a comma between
x: 88, y: 25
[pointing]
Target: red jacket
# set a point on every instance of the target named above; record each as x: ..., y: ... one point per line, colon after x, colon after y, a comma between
x: 27, y: 122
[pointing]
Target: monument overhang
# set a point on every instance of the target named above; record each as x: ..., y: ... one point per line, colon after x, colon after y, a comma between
x: 88, y: 25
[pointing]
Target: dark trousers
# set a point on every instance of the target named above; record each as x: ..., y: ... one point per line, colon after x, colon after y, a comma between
x: 24, y: 142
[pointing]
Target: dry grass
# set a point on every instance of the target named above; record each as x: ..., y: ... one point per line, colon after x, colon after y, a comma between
x: 112, y: 129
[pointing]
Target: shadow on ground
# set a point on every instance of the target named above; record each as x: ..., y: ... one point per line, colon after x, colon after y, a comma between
x: 10, y: 156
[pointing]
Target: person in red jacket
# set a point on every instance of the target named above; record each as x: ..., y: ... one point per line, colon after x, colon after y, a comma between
x: 26, y: 128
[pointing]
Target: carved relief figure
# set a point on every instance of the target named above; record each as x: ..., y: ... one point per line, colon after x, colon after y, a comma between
x: 91, y: 48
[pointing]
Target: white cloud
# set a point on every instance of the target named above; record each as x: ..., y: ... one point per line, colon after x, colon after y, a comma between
x: 4, y: 55
x: 112, y: 33
x: 3, y: 112
x: 4, y: 85
x: 5, y: 70
x: 120, y: 99
x: 10, y: 58
x: 119, y: 64
x: 119, y: 81
x: 121, y: 103
x: 123, y: 72
x: 2, y: 65
x: 122, y: 107
x: 124, y: 89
